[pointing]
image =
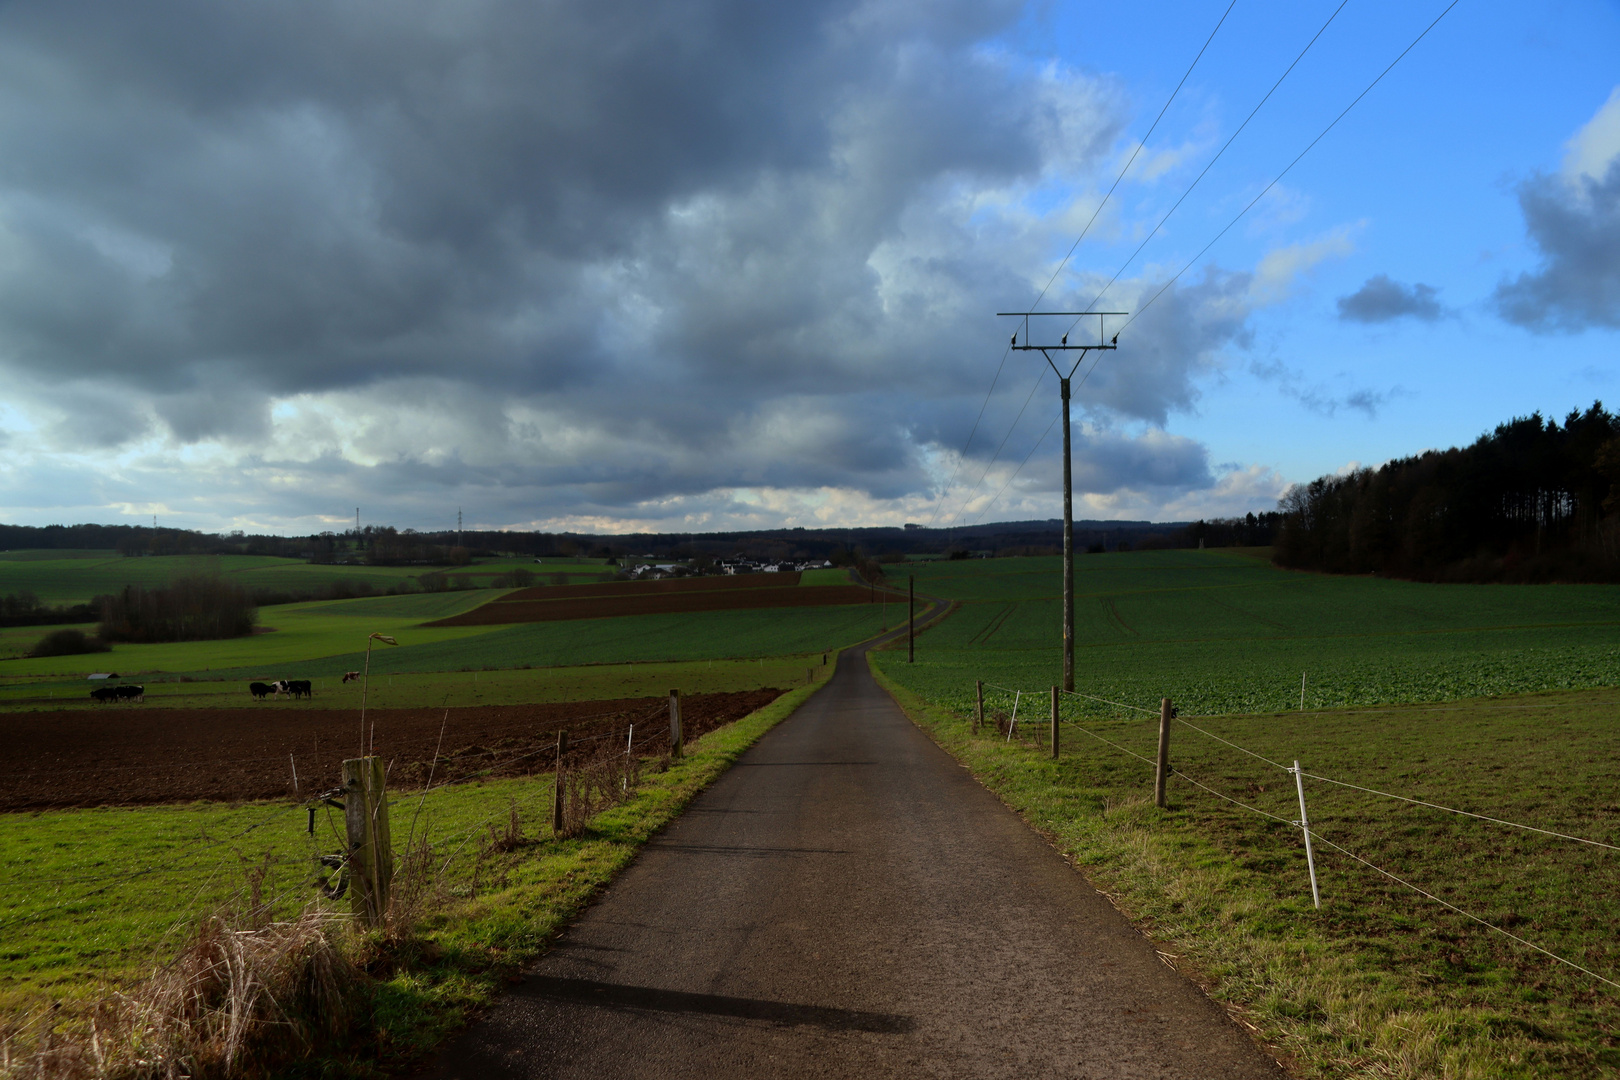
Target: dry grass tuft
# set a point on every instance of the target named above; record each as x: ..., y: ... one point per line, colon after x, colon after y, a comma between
x: 236, y: 1000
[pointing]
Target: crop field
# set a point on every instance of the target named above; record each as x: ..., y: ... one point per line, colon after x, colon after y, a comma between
x: 1496, y: 700
x: 63, y: 577
x: 1219, y: 633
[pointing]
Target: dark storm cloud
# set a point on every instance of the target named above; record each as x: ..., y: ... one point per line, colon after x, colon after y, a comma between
x: 1574, y: 222
x: 576, y: 256
x: 1383, y: 299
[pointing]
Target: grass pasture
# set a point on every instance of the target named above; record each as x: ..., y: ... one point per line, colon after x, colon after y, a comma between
x: 1499, y: 700
x: 70, y: 577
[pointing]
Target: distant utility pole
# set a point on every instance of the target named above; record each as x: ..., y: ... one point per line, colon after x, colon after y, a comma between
x: 1068, y: 477
x: 458, y: 526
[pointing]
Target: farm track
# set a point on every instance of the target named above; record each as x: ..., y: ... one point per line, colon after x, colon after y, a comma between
x: 138, y: 755
x: 847, y: 901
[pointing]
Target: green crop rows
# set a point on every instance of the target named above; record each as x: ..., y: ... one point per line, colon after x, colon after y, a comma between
x: 1221, y: 633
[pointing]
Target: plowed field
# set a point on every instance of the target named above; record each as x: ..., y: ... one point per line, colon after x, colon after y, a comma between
x: 749, y: 591
x: 145, y: 755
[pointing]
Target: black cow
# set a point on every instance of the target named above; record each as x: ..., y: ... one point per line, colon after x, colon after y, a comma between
x: 104, y: 694
x: 131, y: 692
x: 260, y: 690
x: 300, y: 688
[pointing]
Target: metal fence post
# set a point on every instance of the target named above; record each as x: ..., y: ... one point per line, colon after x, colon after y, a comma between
x: 1305, y: 827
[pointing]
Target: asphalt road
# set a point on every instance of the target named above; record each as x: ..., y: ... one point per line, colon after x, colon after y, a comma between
x: 848, y: 902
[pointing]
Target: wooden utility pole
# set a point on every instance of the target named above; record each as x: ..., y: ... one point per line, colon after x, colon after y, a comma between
x: 371, y: 850
x: 676, y: 745
x: 1054, y: 723
x: 978, y: 711
x: 1161, y: 772
x: 1068, y: 475
x: 911, y: 619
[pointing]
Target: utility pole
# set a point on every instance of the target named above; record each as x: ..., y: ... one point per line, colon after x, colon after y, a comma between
x: 1068, y: 476
x: 458, y: 526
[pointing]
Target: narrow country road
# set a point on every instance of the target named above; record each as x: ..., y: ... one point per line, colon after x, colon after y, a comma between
x: 848, y: 902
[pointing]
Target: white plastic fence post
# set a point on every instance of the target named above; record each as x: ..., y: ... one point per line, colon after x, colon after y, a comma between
x: 1305, y: 827
x: 1013, y: 723
x: 1302, y: 691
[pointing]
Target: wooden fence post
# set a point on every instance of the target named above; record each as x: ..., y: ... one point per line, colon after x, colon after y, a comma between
x: 371, y: 850
x: 1162, y: 772
x: 911, y: 619
x: 676, y: 743
x: 978, y: 711
x: 1054, y: 723
x: 557, y: 787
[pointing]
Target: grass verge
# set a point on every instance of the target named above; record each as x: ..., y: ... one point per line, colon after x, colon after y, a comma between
x: 1380, y: 981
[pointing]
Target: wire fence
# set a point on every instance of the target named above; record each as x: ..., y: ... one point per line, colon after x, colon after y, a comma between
x: 1308, y: 832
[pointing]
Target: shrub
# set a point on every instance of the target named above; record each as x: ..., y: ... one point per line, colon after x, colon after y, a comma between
x: 68, y: 642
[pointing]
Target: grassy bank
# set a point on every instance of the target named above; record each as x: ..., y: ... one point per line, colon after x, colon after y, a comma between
x: 1381, y: 981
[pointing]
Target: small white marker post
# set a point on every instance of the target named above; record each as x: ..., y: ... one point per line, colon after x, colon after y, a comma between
x: 1305, y: 827
x: 1302, y: 691
x: 1013, y: 723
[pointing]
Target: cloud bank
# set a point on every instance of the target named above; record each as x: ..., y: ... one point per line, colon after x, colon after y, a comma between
x: 578, y: 264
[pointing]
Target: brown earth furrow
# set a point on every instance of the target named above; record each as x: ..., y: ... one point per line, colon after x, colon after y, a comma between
x: 142, y: 755
x: 609, y: 606
x: 666, y: 585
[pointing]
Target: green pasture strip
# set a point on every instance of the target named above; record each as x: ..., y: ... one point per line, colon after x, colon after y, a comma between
x: 702, y: 635
x: 295, y: 633
x: 1380, y: 981
x: 588, y: 682
x: 1223, y: 633
x: 96, y: 898
x: 59, y: 577
x: 715, y: 636
x: 837, y: 575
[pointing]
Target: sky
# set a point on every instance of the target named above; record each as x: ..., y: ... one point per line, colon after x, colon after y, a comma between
x: 707, y: 265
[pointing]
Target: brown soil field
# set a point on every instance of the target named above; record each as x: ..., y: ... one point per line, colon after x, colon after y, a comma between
x: 621, y: 601
x: 144, y: 755
x: 646, y: 588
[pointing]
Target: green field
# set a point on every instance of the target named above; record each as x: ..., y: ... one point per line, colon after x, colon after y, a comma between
x: 71, y: 577
x: 322, y: 640
x: 1382, y: 980
x: 1219, y: 633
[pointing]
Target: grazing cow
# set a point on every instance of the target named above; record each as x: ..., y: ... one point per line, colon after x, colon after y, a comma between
x: 351, y: 676
x: 131, y: 692
x: 279, y: 687
x: 299, y: 688
x: 104, y: 694
x: 260, y: 690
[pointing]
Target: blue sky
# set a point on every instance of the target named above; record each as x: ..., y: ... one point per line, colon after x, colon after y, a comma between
x: 605, y: 266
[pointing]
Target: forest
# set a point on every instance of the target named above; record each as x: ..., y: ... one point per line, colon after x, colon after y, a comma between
x: 1533, y: 500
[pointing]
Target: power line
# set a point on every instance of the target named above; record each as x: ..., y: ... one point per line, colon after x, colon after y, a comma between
x: 1141, y: 143
x: 1217, y: 156
x: 1291, y: 164
x: 939, y: 504
x: 1036, y: 386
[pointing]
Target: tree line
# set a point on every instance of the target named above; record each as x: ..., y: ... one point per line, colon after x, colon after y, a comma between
x: 1533, y: 500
